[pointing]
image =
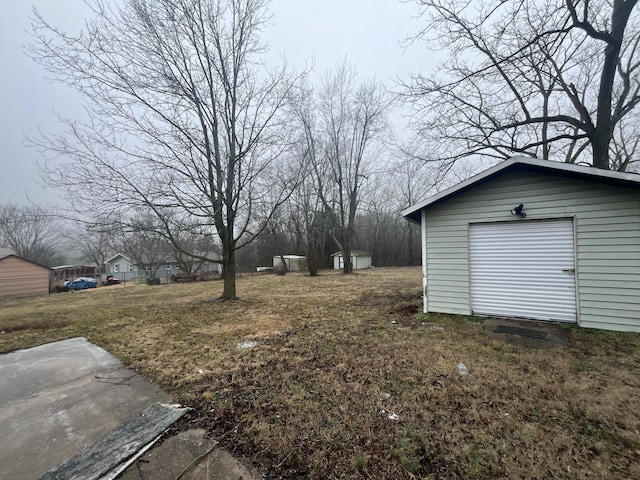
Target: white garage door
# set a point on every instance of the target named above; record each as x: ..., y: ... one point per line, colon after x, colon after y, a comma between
x: 523, y: 269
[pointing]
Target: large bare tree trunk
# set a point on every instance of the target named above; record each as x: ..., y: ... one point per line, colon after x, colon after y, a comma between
x: 229, y: 275
x: 603, y: 132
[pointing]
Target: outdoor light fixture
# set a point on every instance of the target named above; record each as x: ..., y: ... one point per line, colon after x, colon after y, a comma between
x: 518, y: 211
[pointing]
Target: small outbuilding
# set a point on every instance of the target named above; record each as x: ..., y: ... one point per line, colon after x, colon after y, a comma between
x: 294, y: 263
x: 535, y: 239
x: 60, y: 274
x: 20, y: 277
x: 359, y: 259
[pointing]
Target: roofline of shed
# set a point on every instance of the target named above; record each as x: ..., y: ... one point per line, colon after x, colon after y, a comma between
x: 117, y: 255
x: 354, y: 253
x: 75, y: 265
x: 26, y: 260
x: 632, y: 180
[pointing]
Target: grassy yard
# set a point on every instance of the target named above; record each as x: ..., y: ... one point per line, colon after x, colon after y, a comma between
x: 347, y: 380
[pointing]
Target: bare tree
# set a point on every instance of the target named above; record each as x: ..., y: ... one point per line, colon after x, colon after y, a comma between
x: 182, y: 118
x: 92, y: 240
x: 32, y: 233
x: 143, y: 241
x: 315, y: 222
x: 625, y: 146
x: 195, y: 247
x: 309, y: 212
x: 549, y: 78
x: 412, y: 182
x: 351, y: 124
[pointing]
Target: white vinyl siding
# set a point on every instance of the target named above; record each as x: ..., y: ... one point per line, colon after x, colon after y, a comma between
x: 523, y: 269
x: 607, y: 229
x: 609, y: 260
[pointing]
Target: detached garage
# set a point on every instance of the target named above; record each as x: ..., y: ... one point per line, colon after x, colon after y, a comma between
x: 20, y: 277
x: 535, y: 239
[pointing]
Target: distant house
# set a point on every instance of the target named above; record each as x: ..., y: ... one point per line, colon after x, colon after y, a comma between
x: 124, y: 269
x: 20, y: 277
x: 359, y: 259
x: 200, y: 267
x: 212, y: 267
x: 294, y: 263
x: 535, y: 239
x: 208, y: 268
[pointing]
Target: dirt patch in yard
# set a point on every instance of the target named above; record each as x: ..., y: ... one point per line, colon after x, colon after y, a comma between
x: 345, y: 379
x: 527, y: 333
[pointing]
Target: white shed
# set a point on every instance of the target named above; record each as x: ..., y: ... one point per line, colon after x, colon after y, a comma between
x: 359, y: 259
x: 294, y: 263
x: 535, y: 239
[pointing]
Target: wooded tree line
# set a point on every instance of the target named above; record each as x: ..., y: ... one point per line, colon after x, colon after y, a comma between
x: 31, y: 232
x: 187, y: 125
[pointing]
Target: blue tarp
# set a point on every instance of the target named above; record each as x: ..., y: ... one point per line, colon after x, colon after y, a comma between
x: 81, y: 283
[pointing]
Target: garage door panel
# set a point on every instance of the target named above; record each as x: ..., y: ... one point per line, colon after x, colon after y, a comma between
x: 524, y: 269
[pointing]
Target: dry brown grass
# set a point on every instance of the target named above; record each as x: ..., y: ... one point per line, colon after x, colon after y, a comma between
x: 337, y: 355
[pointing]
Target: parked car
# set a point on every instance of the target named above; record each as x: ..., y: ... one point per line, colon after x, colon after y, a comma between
x: 185, y: 277
x: 82, y: 283
x: 111, y: 280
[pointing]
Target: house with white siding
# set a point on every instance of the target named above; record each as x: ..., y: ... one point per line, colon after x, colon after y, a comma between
x: 535, y: 239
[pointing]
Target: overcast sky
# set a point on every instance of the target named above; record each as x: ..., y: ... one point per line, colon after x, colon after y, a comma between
x: 368, y: 32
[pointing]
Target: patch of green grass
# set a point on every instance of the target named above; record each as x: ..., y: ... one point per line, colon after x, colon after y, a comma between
x: 586, y: 365
x: 481, y: 465
x: 500, y: 351
x: 412, y: 452
x: 595, y: 431
x: 361, y: 462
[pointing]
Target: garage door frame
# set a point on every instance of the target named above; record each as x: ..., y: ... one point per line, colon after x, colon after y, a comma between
x: 521, y: 269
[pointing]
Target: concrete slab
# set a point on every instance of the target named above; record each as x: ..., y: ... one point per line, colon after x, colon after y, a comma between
x: 188, y: 456
x: 109, y: 456
x: 527, y: 333
x: 60, y: 398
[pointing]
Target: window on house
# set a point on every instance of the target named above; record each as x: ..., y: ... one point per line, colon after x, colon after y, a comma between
x: 116, y: 267
x: 148, y: 268
x: 168, y: 266
x: 130, y: 268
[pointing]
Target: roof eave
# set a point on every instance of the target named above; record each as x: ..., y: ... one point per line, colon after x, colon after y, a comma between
x: 26, y: 260
x: 413, y: 214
